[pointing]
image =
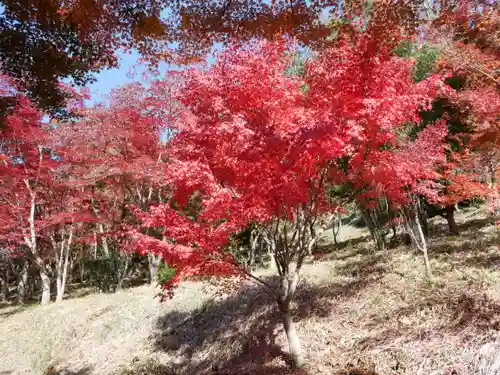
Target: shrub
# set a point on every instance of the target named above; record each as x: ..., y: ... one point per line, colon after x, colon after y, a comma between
x: 165, y: 273
x: 104, y: 273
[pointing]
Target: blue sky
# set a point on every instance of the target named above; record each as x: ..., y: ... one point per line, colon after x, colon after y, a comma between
x: 130, y: 71
x: 112, y: 78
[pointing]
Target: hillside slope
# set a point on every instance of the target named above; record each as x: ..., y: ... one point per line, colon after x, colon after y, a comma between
x: 354, y: 306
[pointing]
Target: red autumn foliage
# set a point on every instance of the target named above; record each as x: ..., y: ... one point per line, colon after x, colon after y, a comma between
x: 39, y: 209
x: 369, y: 95
x: 469, y: 35
x: 257, y: 144
x: 240, y: 144
x: 114, y: 156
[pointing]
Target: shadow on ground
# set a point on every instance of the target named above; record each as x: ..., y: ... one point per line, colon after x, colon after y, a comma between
x: 78, y: 290
x: 473, y: 248
x: 461, y: 312
x: 238, y: 335
x: 441, y: 230
x: 65, y: 371
x: 12, y: 307
x: 7, y: 310
x: 465, y: 243
x: 342, y: 249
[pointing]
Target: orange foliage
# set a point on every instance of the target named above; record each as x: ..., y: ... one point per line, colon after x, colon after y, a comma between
x: 470, y: 35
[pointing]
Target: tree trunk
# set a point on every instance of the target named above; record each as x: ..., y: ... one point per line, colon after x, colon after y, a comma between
x: 124, y: 274
x: 104, y: 239
x: 490, y: 177
x: 288, y: 286
x: 71, y: 268
x: 32, y: 281
x: 45, y: 286
x: 391, y: 216
x: 94, y: 245
x: 61, y: 279
x: 312, y: 230
x: 22, y: 282
x: 450, y: 217
x: 394, y: 230
x: 4, y: 280
x: 414, y: 230
x: 336, y: 225
x: 422, y: 217
x: 371, y: 223
x: 62, y: 251
x: 82, y: 270
x: 273, y: 262
x: 62, y: 269
x: 294, y: 346
x: 59, y: 266
x: 424, y: 251
x: 4, y: 291
x: 154, y: 263
x: 254, y: 243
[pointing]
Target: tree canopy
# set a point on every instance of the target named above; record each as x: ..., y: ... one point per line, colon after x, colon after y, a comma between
x: 247, y: 153
x: 44, y: 41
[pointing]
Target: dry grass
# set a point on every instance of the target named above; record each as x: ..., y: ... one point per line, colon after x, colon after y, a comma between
x: 96, y: 332
x: 355, y: 307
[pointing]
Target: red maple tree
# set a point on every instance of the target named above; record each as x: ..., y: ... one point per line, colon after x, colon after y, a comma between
x: 115, y: 155
x: 26, y: 179
x: 469, y: 39
x: 258, y: 146
x: 372, y: 97
x: 40, y: 208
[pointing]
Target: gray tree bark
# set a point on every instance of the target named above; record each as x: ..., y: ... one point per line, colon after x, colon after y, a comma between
x: 371, y: 222
x: 45, y: 299
x: 22, y: 282
x: 287, y: 291
x: 337, y: 225
x: 289, y: 243
x: 31, y: 242
x: 63, y: 264
x: 123, y: 275
x: 154, y: 263
x: 414, y: 230
x: 450, y: 218
x: 4, y: 279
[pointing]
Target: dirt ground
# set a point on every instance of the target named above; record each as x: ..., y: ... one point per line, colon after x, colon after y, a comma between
x: 355, y: 307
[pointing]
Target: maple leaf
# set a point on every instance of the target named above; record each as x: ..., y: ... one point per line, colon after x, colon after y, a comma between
x: 255, y: 147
